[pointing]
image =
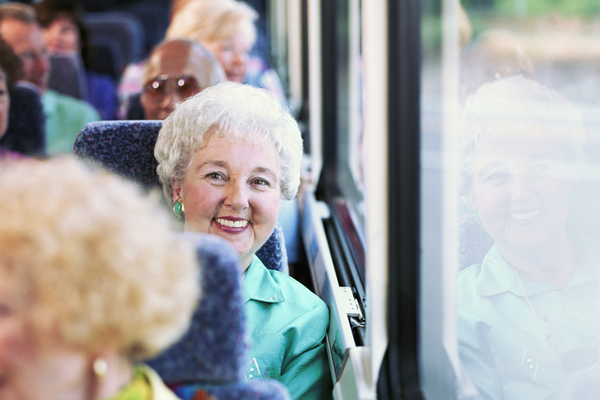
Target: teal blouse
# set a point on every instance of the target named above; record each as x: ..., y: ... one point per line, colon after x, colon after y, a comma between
x: 287, y: 325
x: 500, y: 341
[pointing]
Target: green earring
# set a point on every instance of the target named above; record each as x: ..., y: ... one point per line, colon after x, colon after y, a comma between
x: 178, y: 208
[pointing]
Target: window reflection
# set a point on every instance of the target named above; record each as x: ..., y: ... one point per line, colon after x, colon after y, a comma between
x: 527, y: 294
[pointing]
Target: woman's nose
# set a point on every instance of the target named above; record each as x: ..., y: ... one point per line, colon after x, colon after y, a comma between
x: 239, y: 58
x: 237, y: 195
x: 522, y: 187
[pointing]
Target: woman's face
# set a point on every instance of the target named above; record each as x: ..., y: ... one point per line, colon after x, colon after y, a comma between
x: 29, y: 370
x: 62, y: 35
x: 520, y: 189
x: 232, y: 54
x: 4, y: 103
x: 232, y: 190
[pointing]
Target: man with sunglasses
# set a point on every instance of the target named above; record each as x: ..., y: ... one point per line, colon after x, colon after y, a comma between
x: 177, y: 69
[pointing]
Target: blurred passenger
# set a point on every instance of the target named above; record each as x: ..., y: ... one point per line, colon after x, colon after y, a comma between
x: 495, y: 54
x: 10, y: 72
x: 65, y: 116
x: 226, y: 28
x: 227, y: 156
x: 177, y: 69
x: 92, y: 280
x: 528, y: 314
x: 65, y: 33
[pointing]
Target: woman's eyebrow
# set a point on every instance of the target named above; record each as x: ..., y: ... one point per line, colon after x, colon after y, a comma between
x: 212, y: 163
x: 265, y: 170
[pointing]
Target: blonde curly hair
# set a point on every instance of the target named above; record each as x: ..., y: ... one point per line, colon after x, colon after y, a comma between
x: 95, y: 262
x: 208, y: 20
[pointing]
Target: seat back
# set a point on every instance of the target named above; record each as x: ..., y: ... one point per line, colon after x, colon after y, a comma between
x: 26, y: 131
x: 67, y: 76
x: 123, y: 147
x: 216, y: 344
x: 134, y: 108
x: 474, y: 241
x: 211, y: 357
x: 121, y: 28
x: 127, y: 148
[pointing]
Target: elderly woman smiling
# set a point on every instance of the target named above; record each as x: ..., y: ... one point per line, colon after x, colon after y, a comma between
x: 226, y: 157
x: 92, y: 280
x: 526, y: 314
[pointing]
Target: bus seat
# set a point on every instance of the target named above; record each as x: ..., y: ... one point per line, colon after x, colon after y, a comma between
x: 108, y: 57
x: 134, y: 108
x: 121, y: 28
x: 67, y: 76
x: 474, y: 241
x: 273, y: 253
x: 154, y: 17
x: 26, y: 131
x: 212, y: 355
x: 127, y: 148
x: 123, y: 147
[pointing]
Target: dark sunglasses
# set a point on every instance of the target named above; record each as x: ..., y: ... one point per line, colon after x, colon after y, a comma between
x: 157, y: 88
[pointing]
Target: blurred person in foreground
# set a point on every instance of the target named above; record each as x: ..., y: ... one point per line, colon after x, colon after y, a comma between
x: 176, y: 69
x: 528, y: 314
x: 227, y: 157
x: 92, y: 280
x: 65, y: 115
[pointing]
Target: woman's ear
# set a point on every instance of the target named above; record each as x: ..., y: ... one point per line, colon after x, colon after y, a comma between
x: 177, y: 193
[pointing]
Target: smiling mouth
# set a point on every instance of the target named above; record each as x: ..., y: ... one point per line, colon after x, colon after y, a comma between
x: 525, y: 216
x: 232, y: 224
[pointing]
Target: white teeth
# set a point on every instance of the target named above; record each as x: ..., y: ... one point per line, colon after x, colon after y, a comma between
x: 232, y: 224
x: 531, y: 214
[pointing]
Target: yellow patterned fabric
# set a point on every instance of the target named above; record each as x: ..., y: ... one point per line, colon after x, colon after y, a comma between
x: 138, y: 389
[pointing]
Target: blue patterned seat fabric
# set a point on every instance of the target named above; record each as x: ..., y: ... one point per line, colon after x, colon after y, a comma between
x: 26, y: 131
x: 121, y: 33
x: 124, y: 147
x: 474, y: 241
x: 212, y: 355
x: 127, y: 148
x: 67, y: 76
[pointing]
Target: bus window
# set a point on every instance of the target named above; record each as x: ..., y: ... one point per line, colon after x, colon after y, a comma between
x: 520, y: 138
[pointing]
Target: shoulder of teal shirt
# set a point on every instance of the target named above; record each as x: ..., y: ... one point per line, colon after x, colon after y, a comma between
x: 65, y: 117
x: 489, y: 293
x: 287, y: 324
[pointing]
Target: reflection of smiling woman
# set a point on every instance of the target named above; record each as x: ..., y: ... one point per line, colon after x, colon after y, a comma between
x: 526, y: 313
x: 226, y: 157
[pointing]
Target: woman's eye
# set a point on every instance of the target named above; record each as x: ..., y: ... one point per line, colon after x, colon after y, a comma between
x: 497, y: 177
x: 261, y: 182
x: 540, y: 169
x: 214, y: 175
